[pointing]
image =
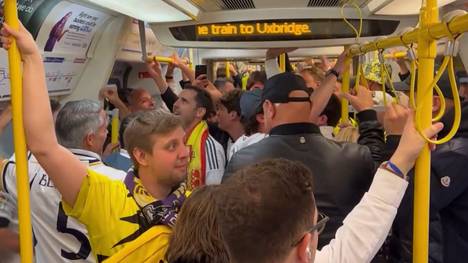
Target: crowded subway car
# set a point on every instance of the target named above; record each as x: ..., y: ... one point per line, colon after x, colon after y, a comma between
x: 218, y: 131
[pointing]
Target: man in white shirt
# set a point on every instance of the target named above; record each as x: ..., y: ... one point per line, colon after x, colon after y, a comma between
x: 267, y: 213
x: 81, y: 127
x: 251, y: 119
x: 229, y: 117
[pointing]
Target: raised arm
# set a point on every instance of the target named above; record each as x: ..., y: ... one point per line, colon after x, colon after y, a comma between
x: 377, y: 209
x: 65, y: 170
x: 322, y: 94
x: 5, y: 118
x: 184, y: 67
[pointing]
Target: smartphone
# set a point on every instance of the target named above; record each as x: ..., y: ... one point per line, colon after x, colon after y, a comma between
x: 200, y: 70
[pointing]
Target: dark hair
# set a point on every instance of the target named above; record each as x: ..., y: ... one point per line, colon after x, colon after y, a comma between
x: 256, y: 76
x: 332, y: 111
x: 123, y: 125
x: 221, y: 72
x: 250, y: 124
x: 55, y: 105
x: 196, y: 237
x: 231, y: 101
x: 203, y: 99
x: 263, y: 210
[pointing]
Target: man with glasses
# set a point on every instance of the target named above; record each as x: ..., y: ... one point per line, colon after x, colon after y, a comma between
x: 267, y: 212
x: 342, y: 171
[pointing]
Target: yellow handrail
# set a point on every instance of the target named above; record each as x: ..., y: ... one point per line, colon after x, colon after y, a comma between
x: 427, y: 50
x: 22, y: 179
x: 282, y: 62
x: 228, y: 72
x: 159, y: 59
x: 399, y: 54
x: 115, y: 126
x: 425, y: 35
x: 345, y: 89
x: 435, y: 31
x: 192, y: 66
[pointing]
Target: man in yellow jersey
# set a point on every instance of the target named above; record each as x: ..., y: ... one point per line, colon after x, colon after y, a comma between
x: 114, y: 213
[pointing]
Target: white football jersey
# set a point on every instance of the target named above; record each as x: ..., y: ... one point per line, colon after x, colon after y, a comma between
x: 8, y: 216
x: 57, y: 237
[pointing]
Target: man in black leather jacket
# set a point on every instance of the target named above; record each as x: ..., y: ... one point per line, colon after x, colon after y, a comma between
x: 342, y: 171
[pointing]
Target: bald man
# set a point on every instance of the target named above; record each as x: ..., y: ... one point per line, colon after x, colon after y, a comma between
x: 140, y: 100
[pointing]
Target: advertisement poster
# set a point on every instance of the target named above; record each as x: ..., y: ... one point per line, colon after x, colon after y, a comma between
x: 33, y: 12
x: 69, y: 29
x: 62, y: 73
x: 4, y: 76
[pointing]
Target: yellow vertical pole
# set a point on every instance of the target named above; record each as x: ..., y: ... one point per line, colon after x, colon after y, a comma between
x: 192, y: 66
x: 115, y: 126
x: 22, y: 180
x: 429, y: 15
x: 228, y: 72
x: 282, y: 62
x: 345, y: 89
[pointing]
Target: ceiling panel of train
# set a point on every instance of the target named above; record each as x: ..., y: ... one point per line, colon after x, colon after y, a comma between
x: 252, y: 24
x: 259, y: 24
x: 217, y: 5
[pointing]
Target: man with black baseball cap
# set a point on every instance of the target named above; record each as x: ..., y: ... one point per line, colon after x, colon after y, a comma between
x: 342, y: 171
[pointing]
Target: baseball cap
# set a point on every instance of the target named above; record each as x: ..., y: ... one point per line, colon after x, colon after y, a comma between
x: 278, y: 87
x: 250, y: 103
x: 462, y: 78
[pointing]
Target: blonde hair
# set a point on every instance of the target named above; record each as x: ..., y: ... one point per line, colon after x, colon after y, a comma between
x: 348, y: 134
x: 314, y: 71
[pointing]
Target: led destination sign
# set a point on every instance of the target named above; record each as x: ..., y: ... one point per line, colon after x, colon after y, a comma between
x: 281, y: 30
x: 259, y: 28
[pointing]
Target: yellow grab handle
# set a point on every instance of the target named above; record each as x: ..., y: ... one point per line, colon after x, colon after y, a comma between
x: 282, y: 62
x: 159, y: 59
x: 22, y: 178
x: 396, y: 55
x: 228, y: 72
x: 413, y: 84
x: 345, y: 89
x: 115, y: 126
x: 192, y: 66
x: 457, y: 107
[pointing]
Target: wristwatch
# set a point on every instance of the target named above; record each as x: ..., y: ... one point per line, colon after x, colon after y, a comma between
x: 334, y: 72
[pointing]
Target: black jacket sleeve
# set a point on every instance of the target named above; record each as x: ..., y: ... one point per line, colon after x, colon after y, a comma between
x: 390, y: 146
x: 405, y: 76
x: 169, y: 97
x: 371, y: 134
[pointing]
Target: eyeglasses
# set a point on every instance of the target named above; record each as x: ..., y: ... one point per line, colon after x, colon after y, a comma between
x: 319, y: 227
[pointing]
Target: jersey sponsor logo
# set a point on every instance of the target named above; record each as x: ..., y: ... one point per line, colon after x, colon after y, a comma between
x: 45, y: 181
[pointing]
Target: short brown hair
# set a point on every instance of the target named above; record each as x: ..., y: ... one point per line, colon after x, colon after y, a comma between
x: 256, y: 76
x: 196, y: 237
x: 263, y: 210
x: 140, y: 130
x: 231, y: 101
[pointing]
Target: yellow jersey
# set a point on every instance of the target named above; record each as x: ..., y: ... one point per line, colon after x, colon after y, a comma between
x: 113, y: 219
